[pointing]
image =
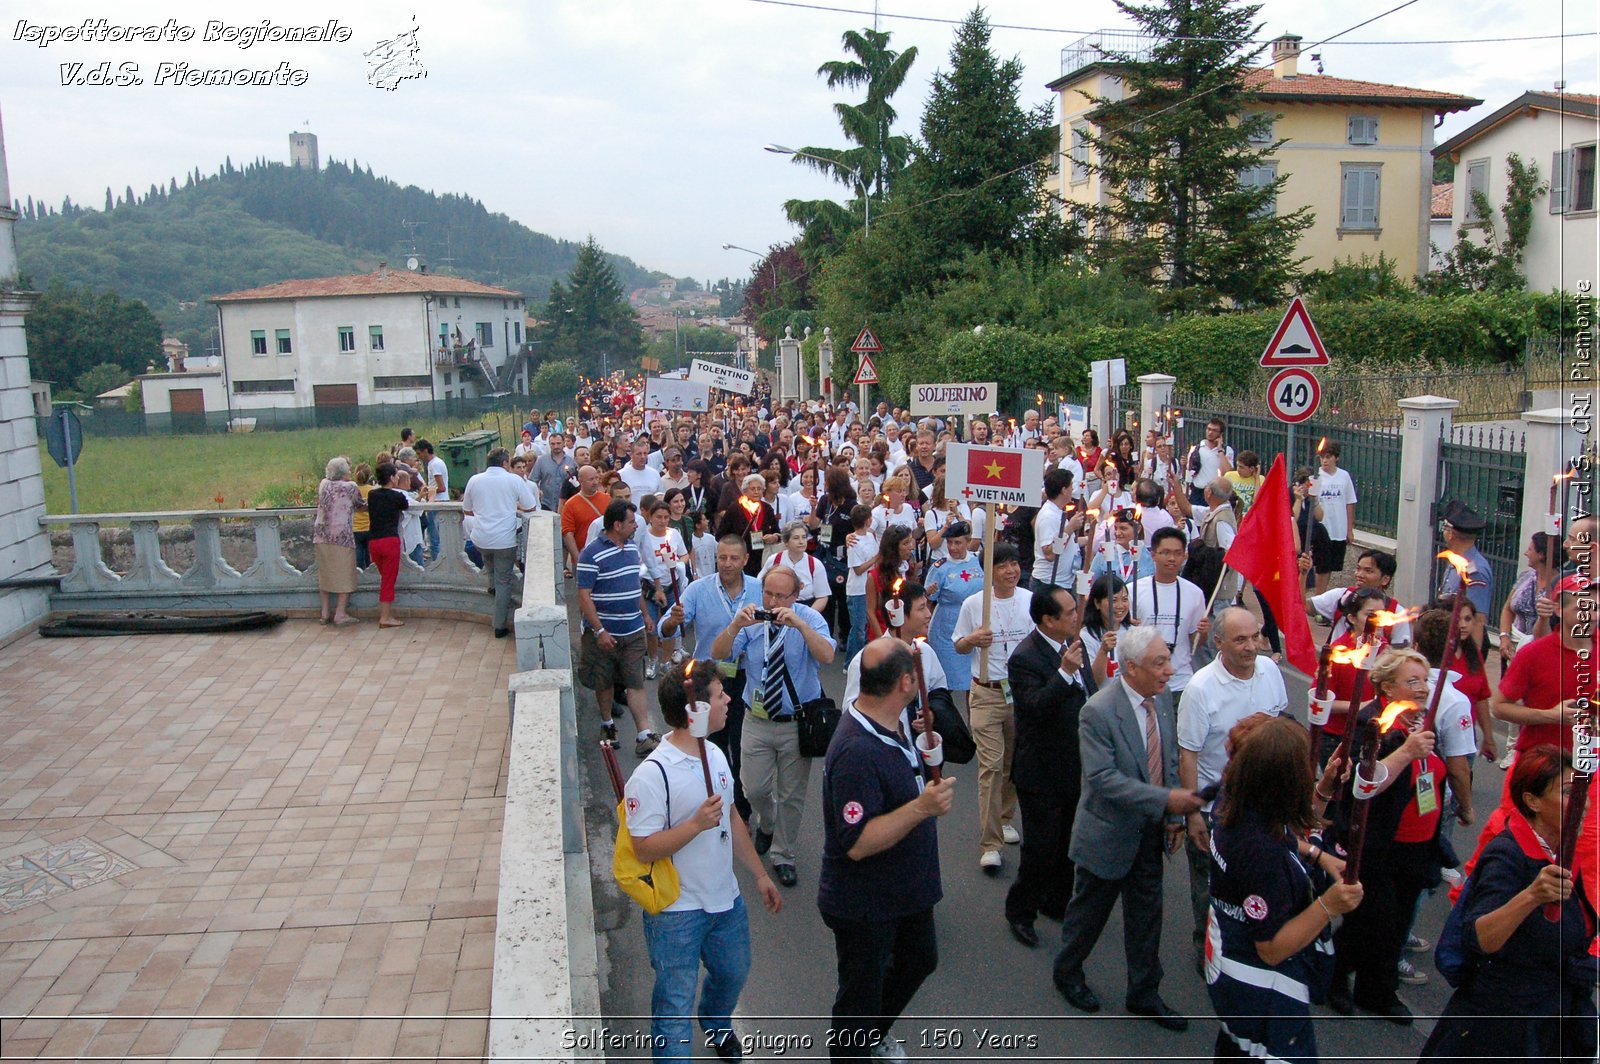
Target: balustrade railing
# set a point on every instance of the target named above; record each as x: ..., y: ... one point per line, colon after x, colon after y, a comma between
x: 270, y: 580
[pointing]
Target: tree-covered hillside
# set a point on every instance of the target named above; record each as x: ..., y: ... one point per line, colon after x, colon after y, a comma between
x: 175, y: 247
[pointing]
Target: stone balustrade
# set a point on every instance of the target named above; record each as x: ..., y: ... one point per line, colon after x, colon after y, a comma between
x: 271, y: 581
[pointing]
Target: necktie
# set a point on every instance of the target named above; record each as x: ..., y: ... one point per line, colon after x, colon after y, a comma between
x: 775, y: 685
x: 1152, y: 743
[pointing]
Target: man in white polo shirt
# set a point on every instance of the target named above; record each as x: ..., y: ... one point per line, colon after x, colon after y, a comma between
x: 493, y: 500
x: 1238, y: 683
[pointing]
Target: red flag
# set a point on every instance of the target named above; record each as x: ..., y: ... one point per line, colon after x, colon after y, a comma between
x: 1263, y: 553
x: 994, y: 468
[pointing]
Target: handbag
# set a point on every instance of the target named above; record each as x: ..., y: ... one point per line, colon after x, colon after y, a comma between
x: 959, y: 746
x: 654, y: 885
x: 816, y: 720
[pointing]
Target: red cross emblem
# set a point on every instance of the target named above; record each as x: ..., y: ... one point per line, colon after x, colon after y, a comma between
x: 967, y: 492
x: 966, y: 574
x: 1465, y: 723
x: 633, y: 805
x: 1255, y: 907
x: 853, y: 812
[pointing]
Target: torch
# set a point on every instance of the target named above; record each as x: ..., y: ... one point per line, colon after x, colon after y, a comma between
x: 1367, y: 781
x: 895, y: 608
x: 1463, y: 570
x: 752, y: 512
x: 1321, y: 707
x: 699, y: 722
x: 1358, y: 656
x: 928, y: 743
x: 1577, y: 802
x: 1138, y: 538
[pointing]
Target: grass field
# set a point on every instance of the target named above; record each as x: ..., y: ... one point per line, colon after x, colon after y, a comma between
x: 245, y: 469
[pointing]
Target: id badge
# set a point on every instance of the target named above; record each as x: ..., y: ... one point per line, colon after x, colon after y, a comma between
x: 1005, y: 690
x: 1427, y: 794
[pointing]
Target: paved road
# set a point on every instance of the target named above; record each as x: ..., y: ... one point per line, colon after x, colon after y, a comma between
x: 991, y: 998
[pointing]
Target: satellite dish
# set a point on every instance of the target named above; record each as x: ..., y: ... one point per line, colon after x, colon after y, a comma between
x: 412, y: 263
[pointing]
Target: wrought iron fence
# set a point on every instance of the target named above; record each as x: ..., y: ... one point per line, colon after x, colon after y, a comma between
x: 1370, y: 448
x: 1486, y: 468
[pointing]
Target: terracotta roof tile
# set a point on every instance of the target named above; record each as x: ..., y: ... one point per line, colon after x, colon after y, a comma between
x: 1314, y: 86
x: 379, y: 282
x: 1444, y: 196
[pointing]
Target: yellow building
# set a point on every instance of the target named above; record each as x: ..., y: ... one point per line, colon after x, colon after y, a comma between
x: 1358, y: 153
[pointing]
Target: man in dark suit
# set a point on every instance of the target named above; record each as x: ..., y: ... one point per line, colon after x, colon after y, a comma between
x: 1050, y: 682
x: 1129, y: 813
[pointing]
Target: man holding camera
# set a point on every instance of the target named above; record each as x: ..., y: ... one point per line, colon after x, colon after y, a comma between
x: 781, y: 648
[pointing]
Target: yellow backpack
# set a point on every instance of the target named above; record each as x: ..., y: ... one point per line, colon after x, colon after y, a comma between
x: 654, y: 885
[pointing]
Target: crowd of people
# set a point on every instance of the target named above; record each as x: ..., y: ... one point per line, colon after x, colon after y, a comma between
x: 1125, y: 697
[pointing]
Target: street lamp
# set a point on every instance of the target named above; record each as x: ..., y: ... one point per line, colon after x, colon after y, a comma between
x: 854, y: 172
x: 771, y: 265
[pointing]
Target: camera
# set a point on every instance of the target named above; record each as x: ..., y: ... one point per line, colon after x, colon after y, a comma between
x: 766, y: 615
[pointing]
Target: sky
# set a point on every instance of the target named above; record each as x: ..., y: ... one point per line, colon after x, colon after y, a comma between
x: 640, y: 123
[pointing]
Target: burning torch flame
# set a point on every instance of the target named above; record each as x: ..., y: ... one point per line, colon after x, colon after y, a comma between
x: 1321, y: 444
x: 1462, y: 567
x: 1559, y: 477
x: 1386, y: 619
x: 1356, y: 656
x: 751, y: 508
x: 1393, y: 712
x: 894, y: 589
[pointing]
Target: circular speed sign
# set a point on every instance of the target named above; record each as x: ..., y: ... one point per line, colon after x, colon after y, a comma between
x: 1294, y: 395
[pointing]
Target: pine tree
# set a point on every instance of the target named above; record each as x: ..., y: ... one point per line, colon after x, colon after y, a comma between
x: 1172, y: 153
x: 110, y: 203
x: 590, y: 315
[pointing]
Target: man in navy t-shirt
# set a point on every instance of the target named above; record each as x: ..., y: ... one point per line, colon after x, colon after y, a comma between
x: 880, y: 855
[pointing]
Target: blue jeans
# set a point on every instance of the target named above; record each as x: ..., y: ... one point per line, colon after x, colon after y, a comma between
x: 679, y: 943
x: 430, y: 531
x: 858, y: 626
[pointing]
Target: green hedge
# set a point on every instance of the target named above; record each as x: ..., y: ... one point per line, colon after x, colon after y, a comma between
x: 1204, y: 351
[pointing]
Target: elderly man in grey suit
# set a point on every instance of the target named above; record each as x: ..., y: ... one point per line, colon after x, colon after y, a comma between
x: 1129, y: 814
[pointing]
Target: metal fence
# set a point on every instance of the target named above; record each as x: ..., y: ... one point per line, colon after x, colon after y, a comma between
x: 1486, y: 468
x: 119, y: 423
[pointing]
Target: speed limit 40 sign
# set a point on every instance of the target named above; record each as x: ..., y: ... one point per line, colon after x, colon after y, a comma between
x: 1293, y: 395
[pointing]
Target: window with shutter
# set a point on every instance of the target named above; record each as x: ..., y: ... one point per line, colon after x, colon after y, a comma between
x: 1363, y: 129
x: 1477, y: 185
x: 1262, y: 134
x: 1560, y: 180
x: 1582, y: 184
x: 1253, y: 177
x: 1359, y: 209
x: 1080, y: 155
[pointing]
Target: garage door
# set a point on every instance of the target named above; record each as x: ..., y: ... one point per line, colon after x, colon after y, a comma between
x: 335, y: 404
x: 188, y: 410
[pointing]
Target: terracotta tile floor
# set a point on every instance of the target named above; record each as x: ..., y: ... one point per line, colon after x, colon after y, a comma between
x: 312, y: 816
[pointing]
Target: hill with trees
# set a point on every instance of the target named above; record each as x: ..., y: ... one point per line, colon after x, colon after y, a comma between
x: 176, y: 246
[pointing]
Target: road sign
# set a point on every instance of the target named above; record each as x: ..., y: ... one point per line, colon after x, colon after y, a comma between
x: 727, y: 378
x: 1294, y: 395
x: 994, y: 474
x: 866, y: 372
x: 1295, y: 343
x: 63, y: 437
x: 866, y: 342
x: 968, y: 399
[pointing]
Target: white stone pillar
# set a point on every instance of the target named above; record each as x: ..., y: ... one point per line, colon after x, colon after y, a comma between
x: 1425, y: 419
x: 1155, y: 393
x: 24, y: 545
x: 825, y: 366
x: 1553, y: 441
x: 790, y: 383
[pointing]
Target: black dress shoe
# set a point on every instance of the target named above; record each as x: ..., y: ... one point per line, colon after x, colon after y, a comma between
x: 1162, y: 1014
x: 1394, y: 1011
x: 728, y: 1047
x: 501, y: 633
x: 1339, y: 1000
x: 1079, y: 996
x: 785, y: 874
x: 1024, y: 933
x: 763, y: 842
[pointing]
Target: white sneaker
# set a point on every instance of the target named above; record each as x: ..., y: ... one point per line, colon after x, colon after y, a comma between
x: 889, y: 1049
x: 650, y: 669
x: 1009, y: 833
x: 990, y: 862
x: 678, y: 656
x: 1409, y: 974
x: 1508, y: 760
x: 1451, y: 875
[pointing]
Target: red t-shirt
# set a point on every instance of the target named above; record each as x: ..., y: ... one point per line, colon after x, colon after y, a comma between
x: 1342, y: 684
x: 1543, y: 675
x: 1416, y: 826
x: 1475, y: 685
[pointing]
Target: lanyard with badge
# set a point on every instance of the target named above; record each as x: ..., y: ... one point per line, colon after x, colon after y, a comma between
x: 1427, y: 793
x: 907, y: 750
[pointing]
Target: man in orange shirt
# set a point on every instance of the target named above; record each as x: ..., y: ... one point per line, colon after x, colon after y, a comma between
x: 579, y: 512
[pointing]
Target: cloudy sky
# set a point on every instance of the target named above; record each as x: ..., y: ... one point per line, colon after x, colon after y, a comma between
x: 642, y: 123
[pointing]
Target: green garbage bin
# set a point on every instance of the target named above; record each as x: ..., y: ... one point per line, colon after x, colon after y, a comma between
x: 467, y: 454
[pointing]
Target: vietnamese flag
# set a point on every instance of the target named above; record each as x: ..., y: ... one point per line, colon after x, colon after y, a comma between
x: 1263, y: 553
x: 994, y: 468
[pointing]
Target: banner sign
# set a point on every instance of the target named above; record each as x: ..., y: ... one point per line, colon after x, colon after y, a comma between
x: 973, y: 400
x: 994, y: 474
x: 728, y: 378
x: 663, y: 394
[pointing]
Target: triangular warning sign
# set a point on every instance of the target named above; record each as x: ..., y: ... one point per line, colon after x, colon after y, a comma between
x: 866, y: 342
x: 866, y: 372
x: 1295, y: 343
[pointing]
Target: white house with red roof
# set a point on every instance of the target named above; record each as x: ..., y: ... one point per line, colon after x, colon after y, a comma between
x: 390, y: 336
x: 1557, y: 131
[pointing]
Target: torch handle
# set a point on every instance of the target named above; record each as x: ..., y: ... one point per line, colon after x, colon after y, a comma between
x: 923, y: 714
x: 1356, y: 842
x: 1571, y: 828
x: 1450, y: 639
x: 705, y: 768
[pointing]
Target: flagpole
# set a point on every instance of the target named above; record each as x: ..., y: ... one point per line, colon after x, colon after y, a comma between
x: 988, y: 584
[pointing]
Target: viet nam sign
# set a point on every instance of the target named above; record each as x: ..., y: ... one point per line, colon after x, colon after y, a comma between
x: 974, y: 400
x: 728, y: 378
x: 994, y: 474
x: 663, y: 394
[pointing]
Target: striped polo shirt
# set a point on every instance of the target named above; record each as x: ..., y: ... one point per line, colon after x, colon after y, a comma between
x: 612, y: 574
